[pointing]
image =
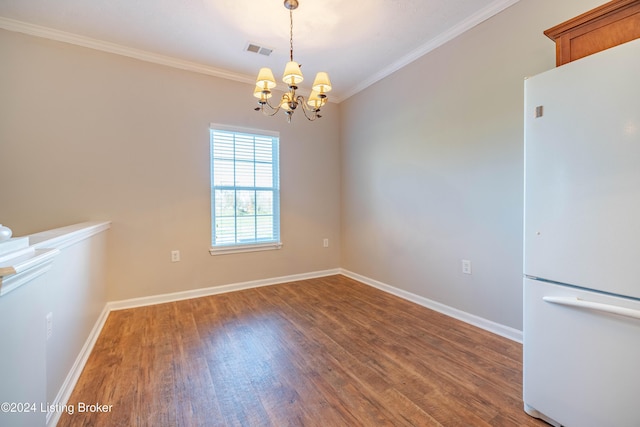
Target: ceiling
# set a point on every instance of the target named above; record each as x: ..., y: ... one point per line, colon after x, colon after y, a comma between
x: 357, y: 42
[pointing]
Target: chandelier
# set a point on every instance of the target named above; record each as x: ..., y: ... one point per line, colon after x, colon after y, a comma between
x: 290, y: 101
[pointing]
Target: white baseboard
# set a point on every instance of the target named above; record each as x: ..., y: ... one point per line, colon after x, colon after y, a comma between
x: 488, y: 325
x: 214, y: 290
x: 70, y: 381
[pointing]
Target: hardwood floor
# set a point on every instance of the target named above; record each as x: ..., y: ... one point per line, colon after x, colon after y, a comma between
x: 320, y: 352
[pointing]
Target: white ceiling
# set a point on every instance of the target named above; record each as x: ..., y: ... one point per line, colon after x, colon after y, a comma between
x: 357, y: 42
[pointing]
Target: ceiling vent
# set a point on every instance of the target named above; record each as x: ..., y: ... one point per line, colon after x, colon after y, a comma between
x: 252, y: 47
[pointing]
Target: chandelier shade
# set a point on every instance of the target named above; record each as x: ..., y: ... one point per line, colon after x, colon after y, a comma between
x: 315, y: 101
x: 322, y: 84
x: 259, y: 93
x: 285, y: 105
x: 292, y: 77
x: 265, y: 79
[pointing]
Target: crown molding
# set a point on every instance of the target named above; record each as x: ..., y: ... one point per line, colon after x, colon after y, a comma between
x: 479, y: 17
x: 62, y: 36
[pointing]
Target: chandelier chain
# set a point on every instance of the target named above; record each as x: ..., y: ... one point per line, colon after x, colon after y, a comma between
x: 291, y: 34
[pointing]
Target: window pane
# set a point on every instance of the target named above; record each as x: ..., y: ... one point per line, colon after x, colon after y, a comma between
x: 223, y: 172
x: 265, y: 227
x: 224, y: 151
x: 264, y: 202
x: 264, y: 175
x: 225, y: 232
x: 244, y: 147
x: 264, y: 150
x: 224, y: 146
x: 246, y: 204
x: 225, y: 203
x: 244, y: 174
x: 246, y: 229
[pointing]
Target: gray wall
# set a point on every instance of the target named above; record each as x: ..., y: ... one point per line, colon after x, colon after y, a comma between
x: 432, y: 165
x: 86, y: 135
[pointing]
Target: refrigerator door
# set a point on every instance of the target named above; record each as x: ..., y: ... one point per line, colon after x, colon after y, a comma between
x: 582, y: 172
x: 581, y: 359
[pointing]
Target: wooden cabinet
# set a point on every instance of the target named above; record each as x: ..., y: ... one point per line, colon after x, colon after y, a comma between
x: 611, y: 24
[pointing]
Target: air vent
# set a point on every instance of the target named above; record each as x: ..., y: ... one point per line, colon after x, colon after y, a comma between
x: 252, y: 47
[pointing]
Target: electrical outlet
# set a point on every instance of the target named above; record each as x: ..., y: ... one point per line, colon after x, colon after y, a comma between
x: 325, y: 243
x: 175, y: 256
x: 49, y: 325
x: 466, y: 266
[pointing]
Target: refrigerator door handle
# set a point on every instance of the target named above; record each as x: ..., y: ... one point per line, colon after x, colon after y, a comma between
x: 607, y: 308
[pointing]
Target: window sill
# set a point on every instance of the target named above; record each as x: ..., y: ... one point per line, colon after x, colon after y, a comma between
x: 223, y: 250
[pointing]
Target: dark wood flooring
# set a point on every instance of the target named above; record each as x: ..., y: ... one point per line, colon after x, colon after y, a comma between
x: 321, y: 352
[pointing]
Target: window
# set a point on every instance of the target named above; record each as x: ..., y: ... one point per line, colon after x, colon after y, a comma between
x: 245, y: 190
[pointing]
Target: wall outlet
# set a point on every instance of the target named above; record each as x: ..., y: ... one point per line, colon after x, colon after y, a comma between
x: 175, y: 256
x: 49, y: 325
x: 466, y: 266
x: 325, y: 243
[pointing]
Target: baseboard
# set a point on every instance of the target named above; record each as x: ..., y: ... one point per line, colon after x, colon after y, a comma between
x: 488, y: 325
x: 72, y: 377
x: 202, y: 292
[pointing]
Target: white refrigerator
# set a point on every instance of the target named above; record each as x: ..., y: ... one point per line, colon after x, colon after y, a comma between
x: 581, y: 333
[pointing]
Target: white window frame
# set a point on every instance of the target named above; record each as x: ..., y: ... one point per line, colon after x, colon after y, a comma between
x: 253, y: 246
